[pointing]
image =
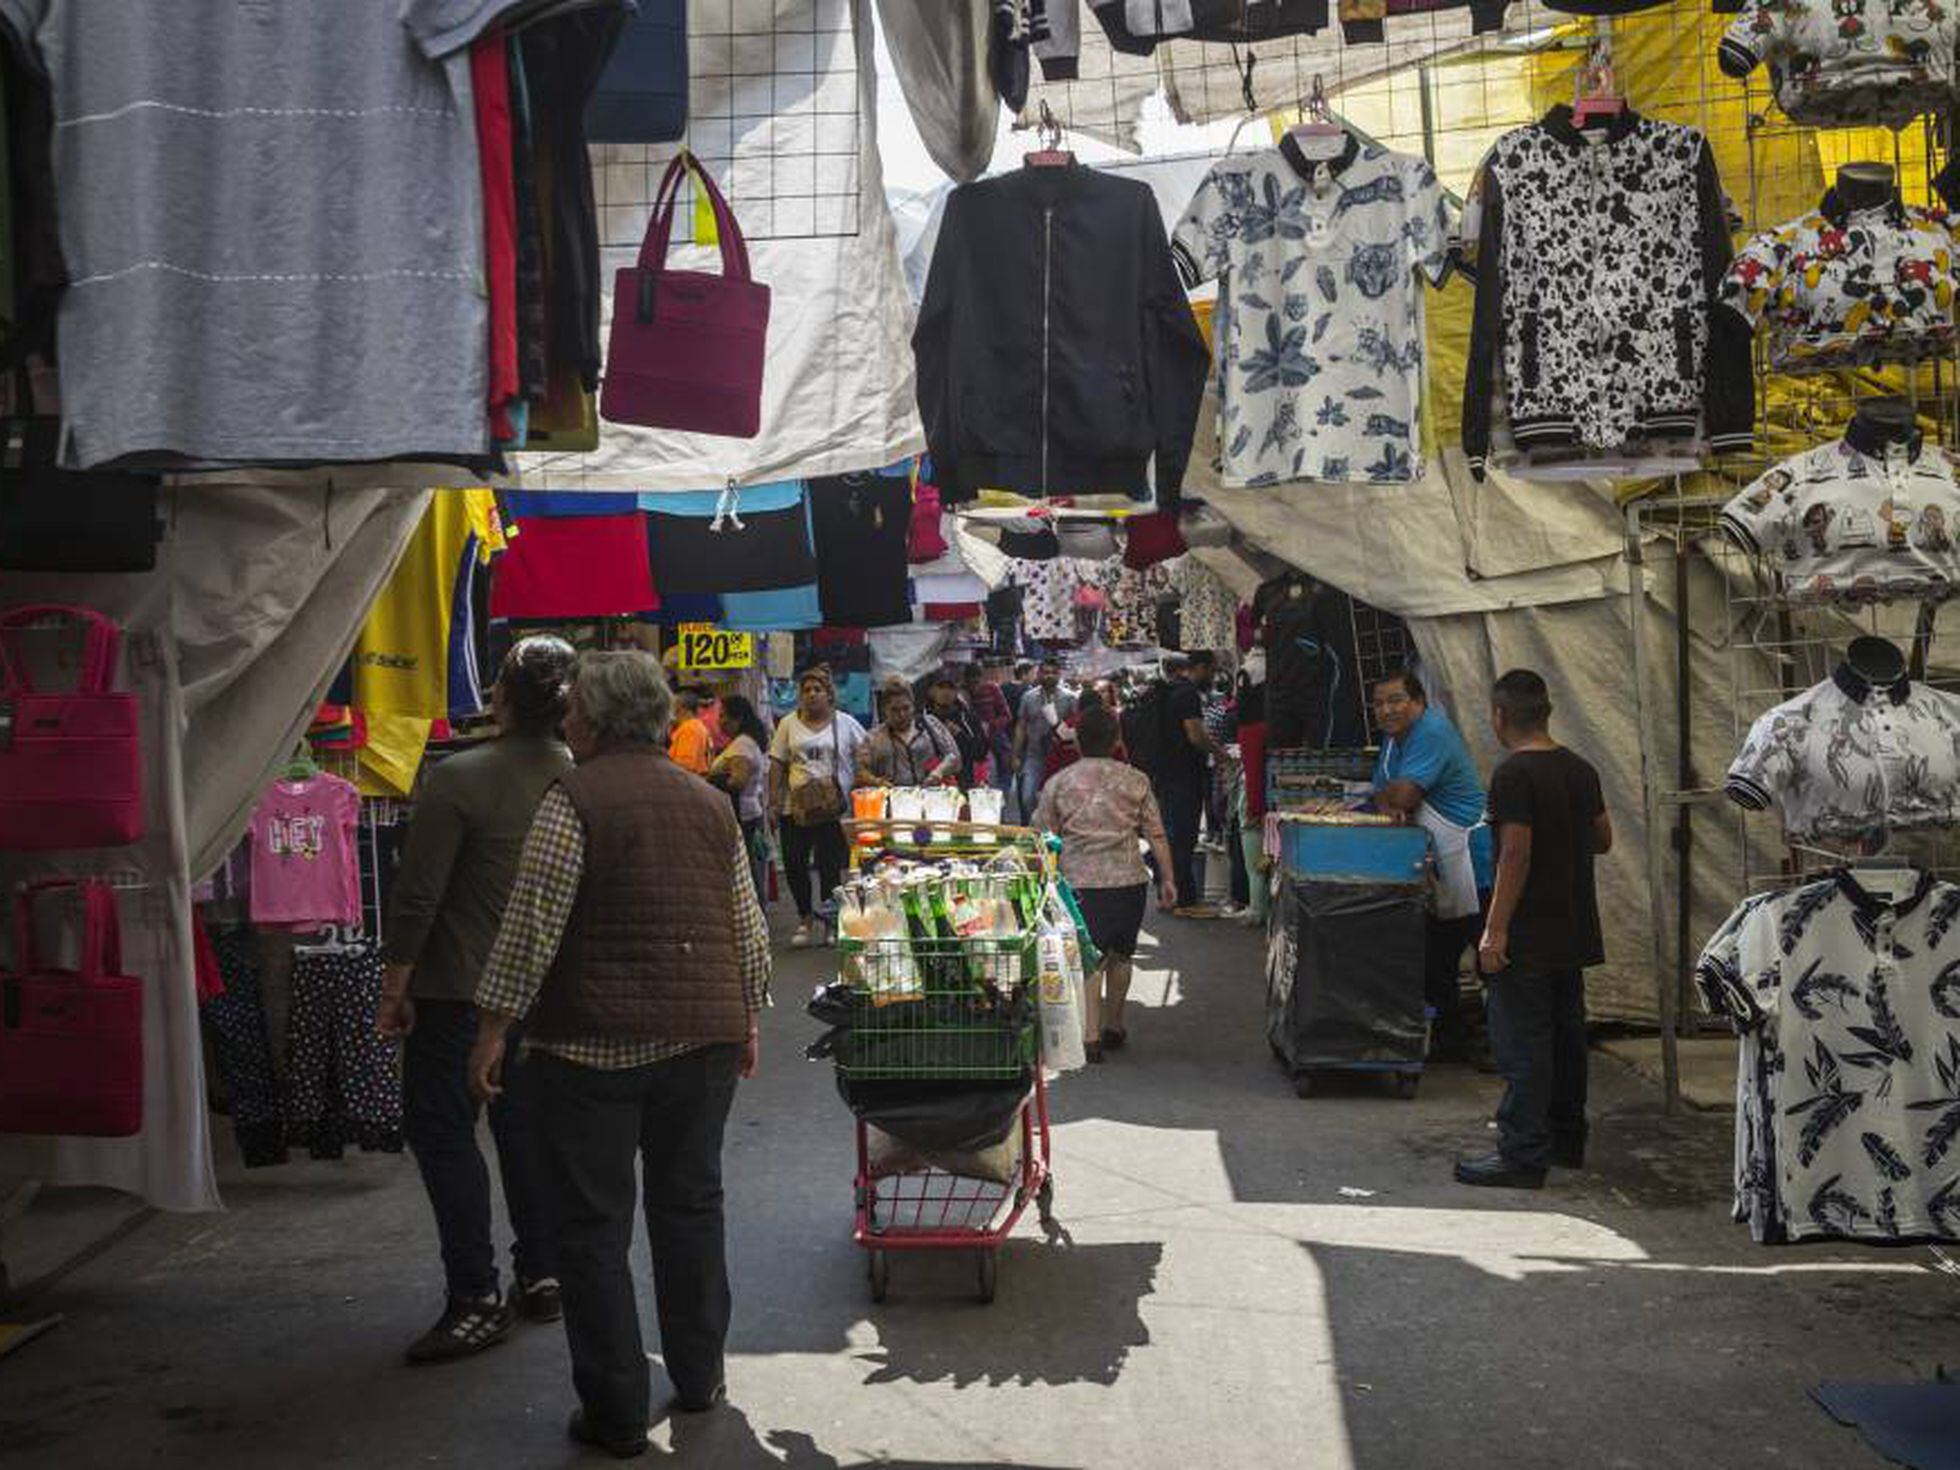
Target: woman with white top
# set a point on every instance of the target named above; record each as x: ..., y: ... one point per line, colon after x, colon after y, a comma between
x: 742, y: 771
x: 812, y: 767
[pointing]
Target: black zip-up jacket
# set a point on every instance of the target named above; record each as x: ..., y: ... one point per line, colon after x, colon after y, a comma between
x: 1056, y: 350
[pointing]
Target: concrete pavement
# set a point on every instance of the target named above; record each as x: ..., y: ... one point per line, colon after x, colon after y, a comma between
x: 1252, y: 1280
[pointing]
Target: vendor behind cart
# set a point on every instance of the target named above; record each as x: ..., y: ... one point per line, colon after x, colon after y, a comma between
x: 1425, y: 775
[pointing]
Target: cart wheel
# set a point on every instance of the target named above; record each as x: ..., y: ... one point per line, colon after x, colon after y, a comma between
x: 989, y: 1275
x: 1406, y: 1084
x: 881, y: 1275
x: 1303, y: 1084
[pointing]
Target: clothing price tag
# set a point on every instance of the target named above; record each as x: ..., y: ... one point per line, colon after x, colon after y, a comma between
x: 703, y: 646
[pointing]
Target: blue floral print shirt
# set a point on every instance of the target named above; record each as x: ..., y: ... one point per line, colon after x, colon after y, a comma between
x: 1319, y: 346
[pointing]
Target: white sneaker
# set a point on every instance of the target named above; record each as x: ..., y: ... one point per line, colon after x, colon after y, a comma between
x: 801, y: 938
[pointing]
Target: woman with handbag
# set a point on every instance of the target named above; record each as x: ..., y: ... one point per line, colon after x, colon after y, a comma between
x: 908, y: 749
x: 812, y: 767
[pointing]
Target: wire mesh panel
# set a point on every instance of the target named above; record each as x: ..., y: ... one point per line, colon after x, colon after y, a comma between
x: 774, y: 113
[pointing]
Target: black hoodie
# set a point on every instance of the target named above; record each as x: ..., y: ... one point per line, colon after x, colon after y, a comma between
x: 1056, y: 350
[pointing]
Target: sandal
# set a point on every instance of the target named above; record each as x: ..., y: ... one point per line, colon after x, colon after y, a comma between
x: 1115, y: 1038
x: 1092, y: 1050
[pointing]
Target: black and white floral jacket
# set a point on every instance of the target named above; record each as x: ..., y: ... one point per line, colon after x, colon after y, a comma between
x: 1599, y: 258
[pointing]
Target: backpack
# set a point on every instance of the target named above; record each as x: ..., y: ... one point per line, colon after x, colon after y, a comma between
x: 1144, y: 734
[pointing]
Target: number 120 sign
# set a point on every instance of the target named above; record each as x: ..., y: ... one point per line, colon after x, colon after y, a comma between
x: 703, y: 646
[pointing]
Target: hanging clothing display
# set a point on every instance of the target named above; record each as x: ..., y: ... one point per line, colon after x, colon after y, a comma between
x: 784, y: 610
x: 1314, y: 695
x: 1848, y: 1083
x: 1048, y: 596
x: 862, y: 529
x: 1207, y: 612
x: 1848, y: 761
x: 1599, y: 254
x: 1130, y: 619
x: 1870, y: 517
x: 250, y: 311
x: 588, y: 566
x: 403, y: 657
x: 1844, y: 286
x: 1847, y: 63
x: 305, y: 870
x: 1056, y: 351
x: 345, y: 1087
x: 1320, y: 262
x: 242, y: 1055
x: 755, y: 539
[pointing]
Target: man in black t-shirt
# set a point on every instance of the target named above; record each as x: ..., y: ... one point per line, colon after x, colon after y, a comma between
x: 1542, y: 931
x: 1183, y: 773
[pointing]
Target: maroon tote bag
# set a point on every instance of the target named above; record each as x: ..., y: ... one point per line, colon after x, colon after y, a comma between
x: 71, y: 1041
x: 687, y: 346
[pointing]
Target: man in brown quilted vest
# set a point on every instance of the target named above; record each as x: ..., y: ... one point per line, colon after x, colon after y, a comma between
x: 634, y: 944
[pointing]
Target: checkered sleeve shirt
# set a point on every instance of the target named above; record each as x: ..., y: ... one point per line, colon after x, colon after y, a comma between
x: 540, y: 905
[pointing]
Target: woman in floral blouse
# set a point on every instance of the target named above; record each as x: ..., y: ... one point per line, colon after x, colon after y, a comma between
x: 1102, y: 809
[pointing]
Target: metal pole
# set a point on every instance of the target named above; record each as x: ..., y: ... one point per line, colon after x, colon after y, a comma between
x: 1664, y: 982
x: 1685, y: 778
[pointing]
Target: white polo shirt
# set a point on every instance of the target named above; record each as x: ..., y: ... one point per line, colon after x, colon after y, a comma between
x: 1847, y: 762
x: 1855, y: 520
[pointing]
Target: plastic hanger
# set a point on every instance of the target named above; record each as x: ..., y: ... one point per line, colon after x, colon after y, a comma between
x: 1597, y: 94
x: 302, y: 767
x: 1051, y: 154
x: 1319, y: 120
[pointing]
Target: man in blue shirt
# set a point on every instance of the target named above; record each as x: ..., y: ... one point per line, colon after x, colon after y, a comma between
x: 1425, y: 775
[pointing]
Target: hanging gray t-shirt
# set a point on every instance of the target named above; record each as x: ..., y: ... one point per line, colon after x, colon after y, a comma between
x: 272, y: 217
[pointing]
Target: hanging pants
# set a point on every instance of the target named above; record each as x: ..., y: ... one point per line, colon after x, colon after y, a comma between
x: 345, y: 1084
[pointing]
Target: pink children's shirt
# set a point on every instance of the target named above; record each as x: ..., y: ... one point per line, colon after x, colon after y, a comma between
x: 305, y: 867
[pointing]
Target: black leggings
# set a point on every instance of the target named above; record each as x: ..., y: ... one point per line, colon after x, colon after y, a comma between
x: 826, y: 844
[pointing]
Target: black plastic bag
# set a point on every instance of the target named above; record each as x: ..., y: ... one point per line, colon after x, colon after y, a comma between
x: 1345, y: 974
x: 939, y: 1117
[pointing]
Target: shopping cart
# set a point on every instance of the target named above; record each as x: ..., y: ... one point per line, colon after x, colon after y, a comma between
x: 956, y: 1018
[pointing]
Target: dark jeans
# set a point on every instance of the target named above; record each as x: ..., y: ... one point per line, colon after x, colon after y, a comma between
x: 1182, y: 804
x: 1235, y: 855
x: 671, y: 1117
x: 826, y: 844
x: 1538, y: 1031
x: 439, y: 1120
x: 755, y: 842
x: 1442, y: 986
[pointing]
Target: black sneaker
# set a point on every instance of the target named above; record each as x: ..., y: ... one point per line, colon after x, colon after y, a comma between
x: 1496, y: 1171
x: 465, y: 1329
x: 537, y: 1301
x: 1569, y: 1153
x: 620, y: 1447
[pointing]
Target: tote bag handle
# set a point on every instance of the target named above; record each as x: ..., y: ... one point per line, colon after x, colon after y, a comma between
x: 101, y: 641
x: 660, y: 228
x: 101, y: 930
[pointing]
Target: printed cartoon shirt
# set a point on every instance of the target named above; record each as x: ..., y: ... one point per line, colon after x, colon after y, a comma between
x: 1319, y: 354
x: 1845, y: 287
x: 1864, y: 525
x: 1847, y: 63
x: 305, y: 867
x: 1849, y: 762
x: 1849, y: 1098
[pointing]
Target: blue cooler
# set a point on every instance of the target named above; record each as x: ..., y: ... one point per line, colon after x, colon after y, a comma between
x: 1332, y: 853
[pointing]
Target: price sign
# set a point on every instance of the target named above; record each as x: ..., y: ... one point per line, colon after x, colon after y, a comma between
x: 704, y: 646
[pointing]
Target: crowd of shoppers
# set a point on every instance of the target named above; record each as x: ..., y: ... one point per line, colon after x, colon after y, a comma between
x: 577, y: 941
